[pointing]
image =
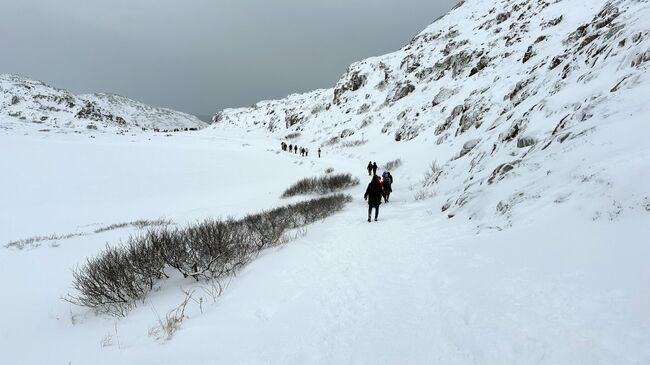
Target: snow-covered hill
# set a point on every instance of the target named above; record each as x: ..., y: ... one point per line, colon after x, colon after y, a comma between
x: 517, y: 102
x: 26, y: 103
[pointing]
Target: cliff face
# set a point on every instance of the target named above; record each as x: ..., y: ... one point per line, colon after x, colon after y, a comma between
x: 491, y: 91
x: 29, y: 103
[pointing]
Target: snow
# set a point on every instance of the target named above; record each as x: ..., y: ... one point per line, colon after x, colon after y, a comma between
x: 31, y: 104
x: 545, y: 263
x: 414, y: 287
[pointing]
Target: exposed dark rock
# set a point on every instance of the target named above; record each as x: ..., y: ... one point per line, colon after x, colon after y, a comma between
x: 468, y: 146
x: 363, y: 108
x: 555, y: 62
x: 346, y: 133
x: 407, y: 132
x: 400, y: 91
x: 456, y: 63
x: 552, y: 22
x: 525, y: 142
x: 482, y: 63
x: 501, y: 170
x: 502, y: 17
x: 473, y: 116
x: 410, y: 63
x: 219, y: 117
x: 292, y: 119
x: 386, y: 127
x: 424, y: 73
x: 513, y: 131
x: 442, y: 96
x: 458, y: 110
x: 529, y: 53
x: 355, y: 80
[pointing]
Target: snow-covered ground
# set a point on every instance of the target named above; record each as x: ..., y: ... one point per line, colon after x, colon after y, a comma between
x: 416, y: 287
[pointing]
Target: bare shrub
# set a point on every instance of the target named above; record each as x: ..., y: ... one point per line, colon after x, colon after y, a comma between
x: 172, y: 322
x: 111, y: 227
x: 432, y: 175
x: 354, y: 143
x: 329, y: 170
x: 292, y: 135
x: 108, y: 282
x: 422, y: 194
x: 212, y: 250
x: 321, y: 185
x: 140, y: 224
x: 36, y: 241
x: 392, y: 165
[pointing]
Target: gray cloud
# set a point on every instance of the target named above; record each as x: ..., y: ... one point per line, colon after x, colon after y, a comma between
x: 200, y: 56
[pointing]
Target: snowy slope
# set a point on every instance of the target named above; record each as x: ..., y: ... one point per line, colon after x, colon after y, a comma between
x: 26, y: 103
x: 550, y: 90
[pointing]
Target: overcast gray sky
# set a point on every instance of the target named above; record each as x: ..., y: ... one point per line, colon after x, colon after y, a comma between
x: 200, y: 56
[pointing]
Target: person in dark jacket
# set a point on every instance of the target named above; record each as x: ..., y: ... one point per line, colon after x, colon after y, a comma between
x: 318, y: 152
x: 374, y: 168
x: 387, y: 182
x: 369, y: 168
x: 374, y: 193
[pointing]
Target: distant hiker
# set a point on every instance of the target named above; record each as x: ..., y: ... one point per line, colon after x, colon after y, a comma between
x: 283, y: 146
x: 290, y: 148
x: 387, y: 183
x: 374, y: 168
x: 369, y: 168
x: 295, y: 149
x: 373, y: 195
x: 306, y: 152
x: 319, y: 153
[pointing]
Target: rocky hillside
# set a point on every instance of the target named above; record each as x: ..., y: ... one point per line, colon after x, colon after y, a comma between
x: 553, y: 90
x: 29, y: 103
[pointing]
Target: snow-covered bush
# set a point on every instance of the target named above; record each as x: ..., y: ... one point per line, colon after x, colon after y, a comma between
x: 392, y: 165
x: 432, y: 175
x: 119, y: 276
x: 321, y: 185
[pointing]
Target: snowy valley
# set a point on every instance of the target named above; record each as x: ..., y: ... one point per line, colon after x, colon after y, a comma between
x: 517, y: 231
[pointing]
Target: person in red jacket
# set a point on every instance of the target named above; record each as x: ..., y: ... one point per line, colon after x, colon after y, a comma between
x: 374, y: 193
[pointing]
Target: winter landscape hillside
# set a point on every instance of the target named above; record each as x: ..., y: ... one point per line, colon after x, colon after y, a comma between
x: 30, y: 104
x: 517, y: 231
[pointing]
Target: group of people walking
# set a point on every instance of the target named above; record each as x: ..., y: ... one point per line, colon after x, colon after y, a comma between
x: 379, y: 188
x: 294, y: 148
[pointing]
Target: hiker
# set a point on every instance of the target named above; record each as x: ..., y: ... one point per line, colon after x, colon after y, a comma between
x: 306, y: 152
x: 283, y: 146
x: 295, y: 149
x: 387, y: 183
x: 374, y: 168
x: 319, y: 152
x: 373, y: 195
x: 290, y: 147
x: 369, y: 168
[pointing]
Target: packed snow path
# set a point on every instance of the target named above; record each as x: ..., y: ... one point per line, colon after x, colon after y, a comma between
x: 415, y: 287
